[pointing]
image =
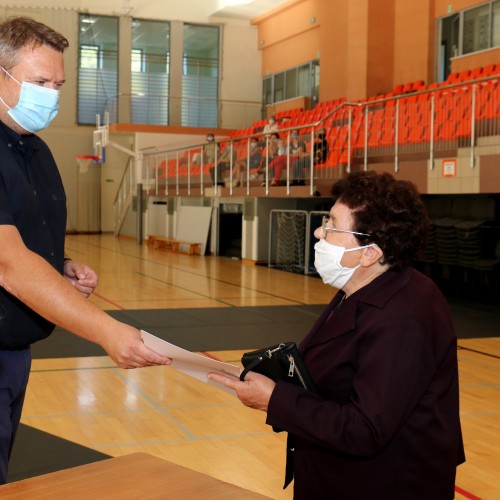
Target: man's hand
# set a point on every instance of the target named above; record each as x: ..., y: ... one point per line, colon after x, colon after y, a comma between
x: 60, y: 300
x: 81, y: 276
x: 255, y: 392
x: 127, y: 350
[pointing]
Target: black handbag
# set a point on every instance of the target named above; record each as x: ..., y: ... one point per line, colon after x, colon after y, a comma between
x: 278, y: 362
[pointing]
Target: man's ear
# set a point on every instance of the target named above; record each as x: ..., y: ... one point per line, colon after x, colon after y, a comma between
x: 371, y: 255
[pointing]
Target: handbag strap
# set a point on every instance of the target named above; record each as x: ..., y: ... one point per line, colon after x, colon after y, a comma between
x: 258, y: 360
x: 250, y: 367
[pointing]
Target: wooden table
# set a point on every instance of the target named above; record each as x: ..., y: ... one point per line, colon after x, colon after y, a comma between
x: 135, y: 476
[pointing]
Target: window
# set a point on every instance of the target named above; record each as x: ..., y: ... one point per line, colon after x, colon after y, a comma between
x: 137, y: 61
x: 150, y: 63
x: 267, y: 90
x: 304, y: 80
x: 97, y: 65
x: 295, y: 82
x: 279, y: 87
x: 476, y: 32
x: 90, y: 57
x: 200, y: 80
x: 496, y: 23
x: 291, y: 83
x: 471, y: 30
x: 465, y: 32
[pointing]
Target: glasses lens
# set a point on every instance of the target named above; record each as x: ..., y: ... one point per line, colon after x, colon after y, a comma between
x: 323, y: 226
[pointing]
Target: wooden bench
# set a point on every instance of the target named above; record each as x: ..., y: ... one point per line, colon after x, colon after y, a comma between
x: 173, y: 245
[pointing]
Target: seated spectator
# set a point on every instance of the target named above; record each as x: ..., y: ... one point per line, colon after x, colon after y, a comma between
x: 280, y: 148
x: 255, y: 154
x: 297, y: 150
x: 210, y: 148
x: 270, y: 127
x: 270, y: 150
x: 224, y: 164
x: 320, y: 154
x: 255, y: 157
x: 208, y: 151
x: 273, y: 145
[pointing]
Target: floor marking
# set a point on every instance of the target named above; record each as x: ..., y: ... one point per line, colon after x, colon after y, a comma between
x: 466, y: 494
x: 108, y: 301
x: 478, y: 352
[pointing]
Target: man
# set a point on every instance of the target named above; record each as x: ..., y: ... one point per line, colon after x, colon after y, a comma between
x: 270, y: 127
x: 38, y: 287
x: 209, y: 149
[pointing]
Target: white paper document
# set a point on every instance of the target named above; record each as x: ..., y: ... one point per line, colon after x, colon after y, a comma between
x: 190, y: 363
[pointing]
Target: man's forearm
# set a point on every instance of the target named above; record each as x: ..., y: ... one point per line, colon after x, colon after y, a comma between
x: 36, y: 283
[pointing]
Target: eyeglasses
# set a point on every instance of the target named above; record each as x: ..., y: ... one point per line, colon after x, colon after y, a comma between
x: 325, y: 229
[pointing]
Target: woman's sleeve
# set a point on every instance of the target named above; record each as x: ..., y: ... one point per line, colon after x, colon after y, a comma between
x: 395, y: 366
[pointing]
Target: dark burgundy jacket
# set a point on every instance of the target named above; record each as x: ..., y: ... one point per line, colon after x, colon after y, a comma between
x: 386, y: 423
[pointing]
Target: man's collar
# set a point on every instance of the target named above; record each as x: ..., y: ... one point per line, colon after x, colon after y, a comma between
x: 13, y: 136
x: 15, y: 139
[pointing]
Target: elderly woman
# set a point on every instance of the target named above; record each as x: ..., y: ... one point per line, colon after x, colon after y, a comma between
x: 383, y: 356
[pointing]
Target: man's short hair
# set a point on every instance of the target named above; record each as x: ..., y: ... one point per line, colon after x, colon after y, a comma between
x: 18, y: 33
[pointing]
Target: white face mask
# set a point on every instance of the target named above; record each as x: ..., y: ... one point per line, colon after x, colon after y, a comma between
x: 327, y: 262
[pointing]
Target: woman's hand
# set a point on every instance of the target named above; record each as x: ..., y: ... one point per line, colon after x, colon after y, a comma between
x: 255, y: 392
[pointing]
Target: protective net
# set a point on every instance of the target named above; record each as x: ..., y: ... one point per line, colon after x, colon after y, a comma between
x: 287, y: 240
x: 84, y: 162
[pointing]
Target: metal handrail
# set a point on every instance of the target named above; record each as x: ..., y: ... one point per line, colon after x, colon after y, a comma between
x: 367, y: 107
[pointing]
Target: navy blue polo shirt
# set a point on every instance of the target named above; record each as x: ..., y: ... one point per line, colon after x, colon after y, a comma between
x: 32, y: 199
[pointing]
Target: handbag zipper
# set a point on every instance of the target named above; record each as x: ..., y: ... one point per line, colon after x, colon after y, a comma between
x: 292, y: 365
x: 292, y: 369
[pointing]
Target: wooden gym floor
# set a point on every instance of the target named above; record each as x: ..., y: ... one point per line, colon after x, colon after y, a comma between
x: 165, y: 413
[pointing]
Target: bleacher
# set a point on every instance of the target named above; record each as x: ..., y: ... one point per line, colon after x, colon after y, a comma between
x: 408, y: 118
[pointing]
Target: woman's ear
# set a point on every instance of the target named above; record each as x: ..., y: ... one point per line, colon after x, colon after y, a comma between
x: 371, y: 255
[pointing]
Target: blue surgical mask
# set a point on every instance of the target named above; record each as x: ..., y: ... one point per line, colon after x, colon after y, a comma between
x: 36, y: 108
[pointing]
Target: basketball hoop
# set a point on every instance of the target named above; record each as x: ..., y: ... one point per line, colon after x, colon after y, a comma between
x: 84, y: 162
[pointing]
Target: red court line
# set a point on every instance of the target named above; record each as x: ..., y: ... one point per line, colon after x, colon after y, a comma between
x: 466, y: 494
x: 208, y: 355
x: 108, y: 301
